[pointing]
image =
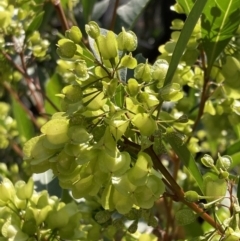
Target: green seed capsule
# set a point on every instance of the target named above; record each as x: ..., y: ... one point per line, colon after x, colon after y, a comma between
x: 191, y: 196
x: 92, y: 29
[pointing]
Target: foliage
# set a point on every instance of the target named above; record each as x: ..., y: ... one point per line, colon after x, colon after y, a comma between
x: 139, y: 150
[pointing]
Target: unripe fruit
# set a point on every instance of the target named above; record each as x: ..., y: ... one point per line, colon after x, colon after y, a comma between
x: 7, y: 191
x: 171, y: 92
x: 128, y: 61
x: 127, y: 41
x: 137, y: 175
x: 133, y: 87
x: 108, y: 46
x: 24, y: 190
x: 66, y: 48
x: 144, y: 123
x: 143, y: 72
x: 159, y: 71
x: 191, y: 196
x: 92, y: 29
x: 74, y: 34
x: 56, y: 131
x: 73, y: 93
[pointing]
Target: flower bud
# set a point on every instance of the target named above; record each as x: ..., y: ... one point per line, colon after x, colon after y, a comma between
x: 224, y: 162
x: 127, y: 41
x: 207, y: 161
x: 92, y: 29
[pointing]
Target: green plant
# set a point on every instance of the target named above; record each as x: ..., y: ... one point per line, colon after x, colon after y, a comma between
x: 128, y: 141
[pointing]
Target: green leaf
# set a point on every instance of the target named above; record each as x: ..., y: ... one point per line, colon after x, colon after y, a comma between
x: 186, y: 5
x: 129, y: 12
x: 184, y: 37
x: 53, y: 87
x: 180, y: 148
x: 220, y: 20
x: 99, y: 9
x: 119, y: 97
x: 87, y: 6
x: 35, y: 24
x: 24, y: 123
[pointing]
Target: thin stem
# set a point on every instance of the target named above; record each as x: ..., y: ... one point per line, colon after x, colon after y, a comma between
x: 30, y: 80
x: 204, y: 95
x: 31, y: 87
x: 114, y: 15
x: 16, y: 148
x: 15, y: 96
x: 61, y: 14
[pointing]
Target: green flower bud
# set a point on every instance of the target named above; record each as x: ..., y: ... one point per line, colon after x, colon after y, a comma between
x: 143, y: 72
x: 224, y: 162
x: 92, y: 29
x: 108, y: 45
x: 191, y: 196
x: 207, y: 161
x: 7, y: 191
x: 127, y: 41
x: 74, y: 34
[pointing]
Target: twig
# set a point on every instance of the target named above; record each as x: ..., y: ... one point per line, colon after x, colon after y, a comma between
x: 204, y: 95
x: 16, y: 148
x: 26, y: 76
x: 114, y: 15
x: 61, y: 14
x: 15, y: 96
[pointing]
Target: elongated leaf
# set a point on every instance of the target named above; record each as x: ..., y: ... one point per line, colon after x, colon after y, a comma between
x: 232, y: 149
x: 35, y: 24
x: 87, y: 6
x: 53, y: 87
x: 99, y: 9
x: 185, y: 156
x: 129, y: 12
x: 24, y: 123
x: 220, y: 20
x: 184, y: 37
